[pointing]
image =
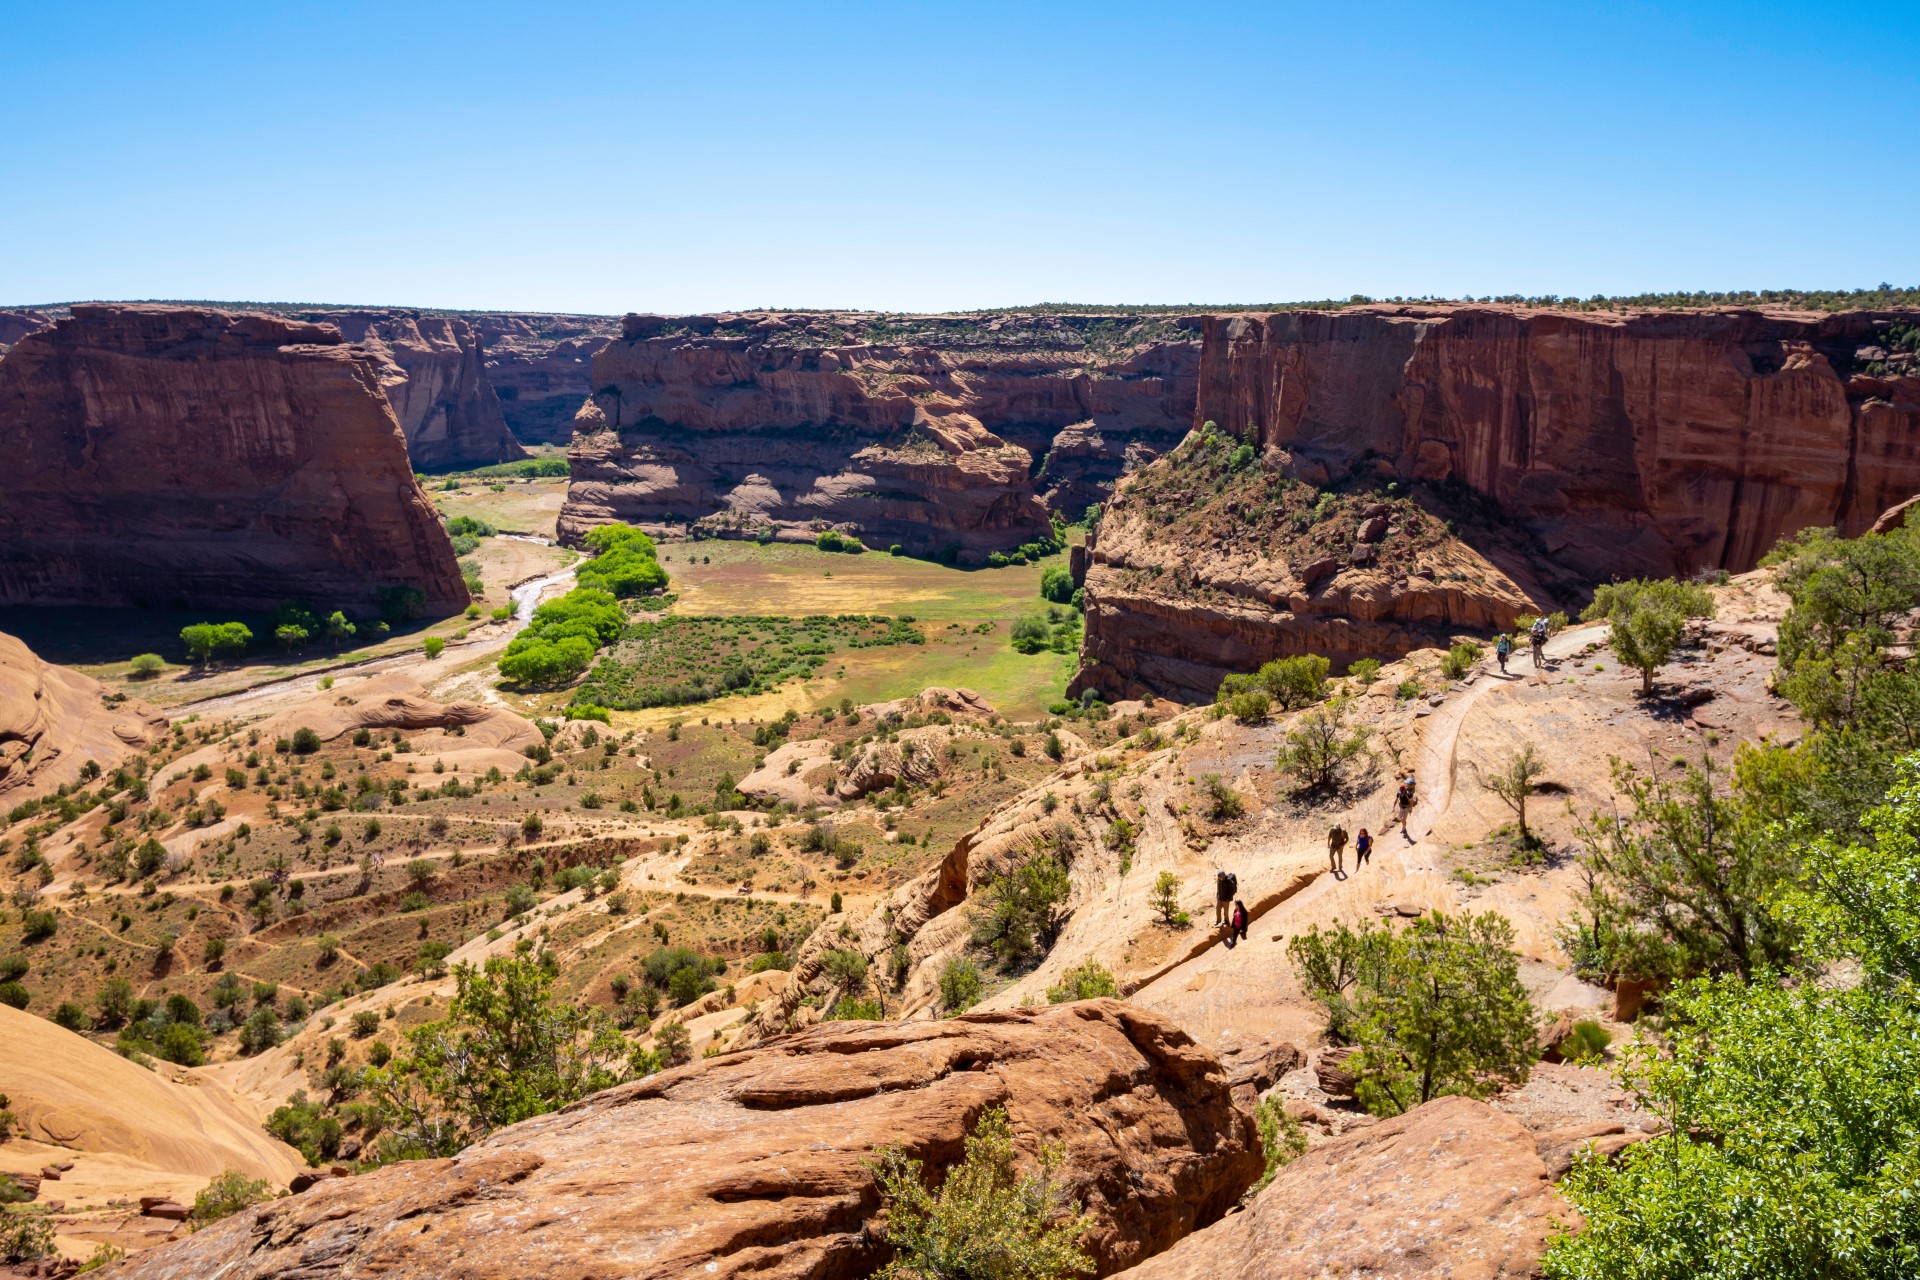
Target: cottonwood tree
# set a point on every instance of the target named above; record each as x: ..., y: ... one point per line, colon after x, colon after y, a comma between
x: 1647, y: 619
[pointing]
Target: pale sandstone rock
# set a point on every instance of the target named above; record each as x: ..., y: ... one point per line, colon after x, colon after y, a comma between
x: 53, y: 720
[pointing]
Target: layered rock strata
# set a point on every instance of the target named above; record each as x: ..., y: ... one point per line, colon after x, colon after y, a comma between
x: 185, y: 457
x: 757, y: 1162
x: 54, y: 720
x: 435, y: 376
x: 541, y: 368
x: 1560, y: 450
x: 956, y: 434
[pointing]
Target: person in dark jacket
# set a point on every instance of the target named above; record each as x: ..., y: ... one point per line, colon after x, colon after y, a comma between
x: 1238, y: 921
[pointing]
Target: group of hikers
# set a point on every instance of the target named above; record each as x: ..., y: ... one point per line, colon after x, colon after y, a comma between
x: 1536, y: 638
x: 1231, y: 912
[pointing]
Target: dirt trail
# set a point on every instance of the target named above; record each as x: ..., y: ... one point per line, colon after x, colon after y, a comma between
x: 1221, y: 992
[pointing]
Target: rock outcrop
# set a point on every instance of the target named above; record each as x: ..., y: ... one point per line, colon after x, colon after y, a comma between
x: 1556, y: 450
x: 435, y: 376
x: 175, y: 456
x: 1452, y: 1188
x: 541, y: 368
x: 755, y: 1162
x: 17, y: 323
x: 955, y: 434
x: 1633, y: 443
x: 53, y: 720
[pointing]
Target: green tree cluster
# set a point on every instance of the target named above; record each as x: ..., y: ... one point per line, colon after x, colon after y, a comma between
x: 1022, y: 910
x: 560, y: 642
x: 1289, y: 682
x: 206, y: 640
x: 624, y: 562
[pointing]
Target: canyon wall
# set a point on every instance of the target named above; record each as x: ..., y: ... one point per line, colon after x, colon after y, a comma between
x: 943, y: 434
x: 541, y: 368
x: 176, y: 456
x: 435, y: 376
x: 16, y: 323
x: 1565, y: 449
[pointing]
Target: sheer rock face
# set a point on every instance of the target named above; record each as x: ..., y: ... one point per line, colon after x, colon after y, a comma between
x: 954, y: 432
x: 1453, y: 1188
x: 541, y: 368
x: 1609, y: 445
x: 435, y: 376
x: 755, y: 1162
x: 1632, y: 444
x: 175, y: 456
x: 53, y: 720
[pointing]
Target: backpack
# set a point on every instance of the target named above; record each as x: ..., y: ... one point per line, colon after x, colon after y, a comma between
x: 1233, y: 884
x: 1539, y: 628
x: 1406, y: 794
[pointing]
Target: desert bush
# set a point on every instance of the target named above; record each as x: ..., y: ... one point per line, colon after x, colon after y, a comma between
x: 225, y: 1196
x: 1320, y: 750
x: 1089, y: 980
x: 986, y: 1219
x: 1459, y: 660
x: 960, y: 986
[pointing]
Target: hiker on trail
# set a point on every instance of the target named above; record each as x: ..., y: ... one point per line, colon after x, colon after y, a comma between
x: 1403, y: 803
x: 1336, y: 846
x: 1238, y: 922
x: 1538, y: 636
x: 1362, y: 848
x: 1503, y: 649
x: 1225, y: 885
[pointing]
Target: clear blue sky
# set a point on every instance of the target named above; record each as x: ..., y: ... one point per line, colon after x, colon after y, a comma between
x: 612, y: 157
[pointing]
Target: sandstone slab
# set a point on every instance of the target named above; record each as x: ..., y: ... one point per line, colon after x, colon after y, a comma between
x: 1450, y: 1189
x: 753, y: 1162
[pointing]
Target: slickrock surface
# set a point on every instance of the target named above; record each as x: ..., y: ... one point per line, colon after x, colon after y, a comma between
x: 123, y: 1130
x: 1608, y: 445
x: 752, y: 1163
x: 179, y: 457
x: 1450, y: 1189
x: 932, y: 432
x: 435, y: 377
x: 53, y: 720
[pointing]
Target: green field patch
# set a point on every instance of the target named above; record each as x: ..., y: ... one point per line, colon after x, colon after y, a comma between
x: 678, y: 661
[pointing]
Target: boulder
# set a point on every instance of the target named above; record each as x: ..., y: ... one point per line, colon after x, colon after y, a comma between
x: 1254, y: 1068
x: 755, y: 1162
x: 161, y: 1207
x: 1331, y: 1071
x: 1558, y: 1148
x: 54, y: 719
x: 1452, y: 1189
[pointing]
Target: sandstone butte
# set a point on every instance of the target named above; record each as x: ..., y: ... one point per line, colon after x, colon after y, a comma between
x: 174, y: 456
x: 942, y: 434
x: 434, y: 374
x: 54, y: 719
x: 756, y: 1162
x: 1595, y: 445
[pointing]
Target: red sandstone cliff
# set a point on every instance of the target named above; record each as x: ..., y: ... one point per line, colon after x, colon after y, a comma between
x: 541, y: 368
x: 927, y: 431
x: 180, y: 456
x: 17, y: 323
x: 1560, y: 449
x: 1657, y: 442
x: 434, y: 374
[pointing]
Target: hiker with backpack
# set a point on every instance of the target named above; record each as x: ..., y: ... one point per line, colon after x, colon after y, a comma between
x: 1537, y: 635
x: 1225, y: 885
x: 1502, y: 650
x: 1403, y: 803
x: 1336, y: 847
